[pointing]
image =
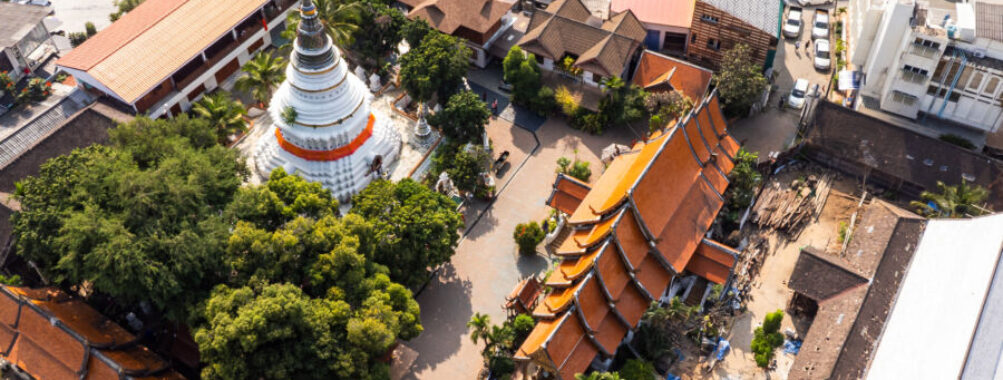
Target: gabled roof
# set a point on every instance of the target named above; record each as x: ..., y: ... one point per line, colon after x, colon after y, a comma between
x: 17, y: 20
x: 449, y: 15
x: 52, y: 336
x: 567, y: 194
x: 677, y: 13
x: 762, y: 14
x: 566, y: 27
x: 910, y: 157
x: 657, y: 72
x: 642, y: 223
x: 143, y: 48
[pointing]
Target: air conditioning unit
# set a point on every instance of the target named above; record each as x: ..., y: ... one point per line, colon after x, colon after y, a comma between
x: 979, y: 53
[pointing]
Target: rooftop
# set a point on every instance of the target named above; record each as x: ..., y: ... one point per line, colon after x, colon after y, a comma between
x: 946, y: 292
x: 763, y: 14
x: 566, y: 27
x: 989, y: 20
x: 449, y: 15
x: 143, y: 48
x: 854, y: 291
x: 640, y: 225
x: 17, y: 20
x: 660, y: 72
x: 51, y: 335
x: 899, y: 152
x: 677, y: 13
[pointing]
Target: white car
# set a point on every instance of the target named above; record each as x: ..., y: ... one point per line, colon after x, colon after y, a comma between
x: 44, y: 3
x: 797, y: 98
x: 823, y: 60
x: 820, y: 26
x: 792, y: 28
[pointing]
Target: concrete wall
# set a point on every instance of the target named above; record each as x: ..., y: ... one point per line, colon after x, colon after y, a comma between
x: 882, y: 59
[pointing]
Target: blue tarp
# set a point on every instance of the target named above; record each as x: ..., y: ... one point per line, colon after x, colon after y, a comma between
x: 722, y: 348
x: 672, y: 377
x: 792, y: 346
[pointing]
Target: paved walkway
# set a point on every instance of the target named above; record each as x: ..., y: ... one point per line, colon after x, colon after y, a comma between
x: 486, y: 266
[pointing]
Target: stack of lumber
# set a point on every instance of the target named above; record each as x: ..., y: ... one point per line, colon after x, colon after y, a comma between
x: 788, y: 208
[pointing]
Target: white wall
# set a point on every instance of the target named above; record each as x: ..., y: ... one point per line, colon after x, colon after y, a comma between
x: 882, y: 59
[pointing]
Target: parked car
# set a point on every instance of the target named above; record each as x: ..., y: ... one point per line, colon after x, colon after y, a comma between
x: 820, y: 27
x: 792, y: 28
x: 504, y: 86
x: 43, y: 3
x: 823, y: 59
x: 796, y: 99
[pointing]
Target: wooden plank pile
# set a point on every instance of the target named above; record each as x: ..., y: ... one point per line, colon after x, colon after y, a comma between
x: 789, y: 208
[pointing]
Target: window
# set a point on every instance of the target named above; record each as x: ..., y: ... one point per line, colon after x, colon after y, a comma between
x: 927, y: 43
x: 693, y: 38
x: 955, y: 96
x: 901, y: 97
x: 914, y: 74
x: 976, y: 81
x: 925, y: 48
x: 713, y: 44
x: 991, y: 86
x: 709, y: 18
x: 967, y: 73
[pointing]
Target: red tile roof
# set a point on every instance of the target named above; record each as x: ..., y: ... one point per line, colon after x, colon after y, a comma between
x: 678, y: 13
x: 150, y: 43
x: 663, y: 195
x: 657, y: 72
x: 52, y: 336
x: 567, y: 194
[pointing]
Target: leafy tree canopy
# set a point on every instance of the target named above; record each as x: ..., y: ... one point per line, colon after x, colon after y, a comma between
x: 464, y: 117
x: 139, y: 220
x: 740, y: 81
x: 436, y: 66
x: 378, y: 34
x: 416, y: 228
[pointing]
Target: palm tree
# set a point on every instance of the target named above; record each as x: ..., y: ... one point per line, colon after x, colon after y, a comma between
x: 264, y: 72
x: 224, y: 114
x: 341, y: 18
x: 479, y: 326
x: 953, y: 201
x: 500, y: 337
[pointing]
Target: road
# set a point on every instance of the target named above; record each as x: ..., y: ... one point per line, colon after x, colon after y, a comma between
x: 75, y: 13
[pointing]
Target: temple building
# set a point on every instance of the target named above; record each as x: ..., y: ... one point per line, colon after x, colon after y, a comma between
x: 639, y: 236
x: 324, y: 129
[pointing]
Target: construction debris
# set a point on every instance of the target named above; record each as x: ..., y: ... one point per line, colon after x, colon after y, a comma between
x: 787, y: 208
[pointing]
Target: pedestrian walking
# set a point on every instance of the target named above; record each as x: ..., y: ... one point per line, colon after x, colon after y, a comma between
x: 807, y: 45
x: 494, y: 107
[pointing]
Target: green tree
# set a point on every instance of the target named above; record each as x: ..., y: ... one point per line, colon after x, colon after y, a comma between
x: 225, y: 115
x: 960, y: 201
x: 264, y: 72
x: 527, y: 236
x: 340, y: 18
x: 464, y: 117
x: 417, y: 228
x: 637, y: 369
x: 124, y: 6
x: 521, y: 70
x: 521, y: 326
x: 378, y: 34
x: 479, y: 326
x: 745, y: 180
x: 665, y: 106
x: 766, y: 338
x: 90, y: 29
x: 414, y: 31
x: 436, y: 66
x: 740, y: 81
x: 467, y: 167
x: 622, y: 103
x: 139, y: 220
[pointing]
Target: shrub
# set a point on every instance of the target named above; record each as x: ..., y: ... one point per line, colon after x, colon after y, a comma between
x: 564, y: 99
x: 6, y: 82
x: 289, y: 115
x: 522, y: 325
x: 544, y: 101
x: 577, y: 169
x: 528, y: 236
x: 77, y: 38
x: 501, y: 366
x: 637, y: 369
x: 957, y: 140
x: 767, y: 338
x: 37, y: 90
x: 90, y: 29
x: 842, y: 231
x: 13, y: 280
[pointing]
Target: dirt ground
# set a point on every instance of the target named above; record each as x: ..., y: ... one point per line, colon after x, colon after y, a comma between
x: 769, y: 291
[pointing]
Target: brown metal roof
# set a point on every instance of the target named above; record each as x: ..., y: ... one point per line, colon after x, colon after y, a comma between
x: 449, y: 15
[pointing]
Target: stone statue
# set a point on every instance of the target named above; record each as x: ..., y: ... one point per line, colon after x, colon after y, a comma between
x: 374, y: 83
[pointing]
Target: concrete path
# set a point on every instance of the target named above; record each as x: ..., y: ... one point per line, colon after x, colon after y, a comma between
x: 486, y: 266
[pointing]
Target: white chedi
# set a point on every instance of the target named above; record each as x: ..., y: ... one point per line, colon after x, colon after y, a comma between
x: 336, y: 139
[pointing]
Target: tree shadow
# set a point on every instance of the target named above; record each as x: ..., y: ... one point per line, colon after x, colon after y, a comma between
x: 530, y: 265
x: 445, y: 310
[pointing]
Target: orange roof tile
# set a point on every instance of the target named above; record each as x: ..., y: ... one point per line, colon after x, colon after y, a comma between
x: 150, y: 43
x: 567, y: 194
x: 712, y: 261
x: 52, y: 336
x: 673, y: 182
x: 657, y: 72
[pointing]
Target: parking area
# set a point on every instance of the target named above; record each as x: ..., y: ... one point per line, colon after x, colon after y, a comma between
x: 796, y: 56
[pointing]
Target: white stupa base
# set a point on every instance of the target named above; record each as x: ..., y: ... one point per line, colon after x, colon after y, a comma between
x: 345, y: 176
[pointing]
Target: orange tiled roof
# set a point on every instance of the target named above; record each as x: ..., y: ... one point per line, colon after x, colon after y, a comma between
x: 143, y: 48
x: 657, y: 72
x: 52, y: 336
x: 641, y: 224
x: 567, y: 194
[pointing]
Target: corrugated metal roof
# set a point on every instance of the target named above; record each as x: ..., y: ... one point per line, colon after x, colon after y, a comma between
x: 16, y: 20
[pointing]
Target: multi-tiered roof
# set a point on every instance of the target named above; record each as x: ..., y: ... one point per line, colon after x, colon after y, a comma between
x: 642, y: 224
x: 335, y: 139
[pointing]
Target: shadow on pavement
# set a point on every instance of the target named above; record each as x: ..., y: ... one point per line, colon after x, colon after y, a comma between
x: 444, y: 323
